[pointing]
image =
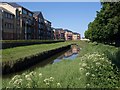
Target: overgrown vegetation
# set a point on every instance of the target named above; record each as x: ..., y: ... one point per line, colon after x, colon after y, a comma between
x: 93, y: 68
x: 106, y: 26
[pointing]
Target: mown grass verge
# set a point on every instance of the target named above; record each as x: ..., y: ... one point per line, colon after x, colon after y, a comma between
x: 15, y: 43
x: 26, y: 51
x: 91, y: 69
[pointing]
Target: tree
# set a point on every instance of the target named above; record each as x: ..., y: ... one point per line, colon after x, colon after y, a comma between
x: 106, y: 26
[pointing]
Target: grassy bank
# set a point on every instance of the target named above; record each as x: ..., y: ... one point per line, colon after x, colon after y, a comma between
x: 15, y: 43
x: 26, y: 51
x: 93, y: 68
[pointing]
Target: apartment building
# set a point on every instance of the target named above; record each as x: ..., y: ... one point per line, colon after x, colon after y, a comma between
x: 8, y: 19
x: 8, y: 14
x: 76, y: 36
x: 59, y: 33
x: 49, y: 30
x: 68, y: 34
x: 24, y: 17
x: 52, y: 35
x: 20, y: 23
x: 26, y: 22
x: 39, y: 31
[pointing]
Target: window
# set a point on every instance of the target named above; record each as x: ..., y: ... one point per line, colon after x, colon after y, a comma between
x: 6, y: 15
x: 11, y: 16
x: 30, y: 14
x: 12, y: 26
x: 39, y: 20
x: 24, y: 11
x: 9, y: 25
x: 39, y: 31
x: 39, y: 25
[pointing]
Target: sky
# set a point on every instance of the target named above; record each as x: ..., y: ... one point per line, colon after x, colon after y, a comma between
x: 74, y: 16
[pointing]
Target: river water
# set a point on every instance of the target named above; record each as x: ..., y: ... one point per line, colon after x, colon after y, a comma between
x: 69, y: 54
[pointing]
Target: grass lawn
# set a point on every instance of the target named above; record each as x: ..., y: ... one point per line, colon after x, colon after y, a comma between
x: 93, y: 68
x: 25, y: 51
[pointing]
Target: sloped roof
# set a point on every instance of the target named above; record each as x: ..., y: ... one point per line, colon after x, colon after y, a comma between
x: 36, y: 13
x: 75, y: 33
x: 47, y: 20
x: 6, y: 10
x: 14, y: 4
x: 58, y: 29
x: 67, y: 30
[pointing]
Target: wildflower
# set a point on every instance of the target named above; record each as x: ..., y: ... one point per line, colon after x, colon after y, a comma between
x: 84, y: 64
x: 15, y: 77
x: 96, y: 69
x: 88, y: 67
x: 47, y: 83
x: 93, y: 75
x: 103, y: 54
x: 58, y: 84
x: 23, y: 74
x: 7, y: 87
x: 87, y: 73
x: 92, y: 67
x: 17, y: 82
x: 29, y: 79
x: 20, y: 80
x: 88, y: 84
x: 31, y: 73
x: 102, y: 58
x: 98, y: 63
x: 51, y: 78
x: 28, y: 85
x: 81, y: 69
x: 40, y: 74
x: 110, y: 63
x: 27, y: 76
x: 46, y: 80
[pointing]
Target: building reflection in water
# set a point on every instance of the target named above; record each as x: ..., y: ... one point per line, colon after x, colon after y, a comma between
x: 74, y: 50
x: 70, y: 54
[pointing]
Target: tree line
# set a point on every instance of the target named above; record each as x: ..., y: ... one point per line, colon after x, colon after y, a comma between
x: 106, y: 26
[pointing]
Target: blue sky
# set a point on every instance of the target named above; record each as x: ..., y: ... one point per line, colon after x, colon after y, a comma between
x: 74, y: 16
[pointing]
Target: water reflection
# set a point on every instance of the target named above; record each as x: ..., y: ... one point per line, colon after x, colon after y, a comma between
x: 70, y: 54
